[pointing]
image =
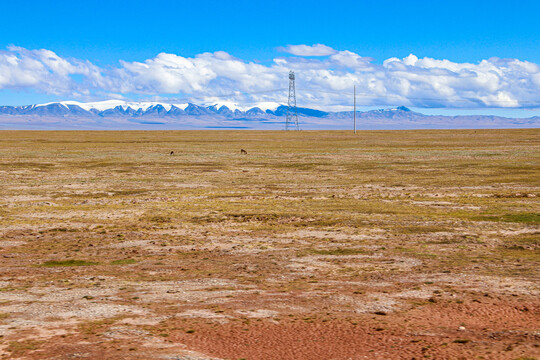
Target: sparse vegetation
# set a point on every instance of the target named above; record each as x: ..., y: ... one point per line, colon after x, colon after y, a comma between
x: 20, y: 348
x: 71, y: 262
x: 107, y: 240
x: 337, y: 252
x: 533, y: 218
x: 123, y: 262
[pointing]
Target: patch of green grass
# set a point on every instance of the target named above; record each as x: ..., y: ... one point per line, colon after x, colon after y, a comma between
x: 123, y: 262
x: 522, y: 217
x: 532, y: 218
x: 71, y: 262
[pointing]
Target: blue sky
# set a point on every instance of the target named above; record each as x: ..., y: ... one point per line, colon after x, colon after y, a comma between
x: 104, y: 33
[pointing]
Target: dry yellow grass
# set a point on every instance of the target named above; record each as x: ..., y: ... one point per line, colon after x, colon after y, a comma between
x: 337, y: 225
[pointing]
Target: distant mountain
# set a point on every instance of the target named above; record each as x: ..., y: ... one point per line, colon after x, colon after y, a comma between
x: 116, y: 114
x: 116, y: 108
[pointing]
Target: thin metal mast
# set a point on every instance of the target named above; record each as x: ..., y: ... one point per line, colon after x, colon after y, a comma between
x: 292, y: 111
x: 355, y: 109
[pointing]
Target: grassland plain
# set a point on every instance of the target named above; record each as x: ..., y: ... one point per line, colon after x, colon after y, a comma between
x: 314, y: 245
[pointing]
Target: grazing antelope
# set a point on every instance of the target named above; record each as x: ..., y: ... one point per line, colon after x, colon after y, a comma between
x: 172, y: 152
x: 243, y: 152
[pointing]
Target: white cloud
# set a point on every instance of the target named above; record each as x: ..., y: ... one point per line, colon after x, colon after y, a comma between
x: 321, y: 82
x: 42, y: 70
x: 307, y: 50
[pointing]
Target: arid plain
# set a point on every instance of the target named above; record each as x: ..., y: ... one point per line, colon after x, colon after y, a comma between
x: 314, y: 245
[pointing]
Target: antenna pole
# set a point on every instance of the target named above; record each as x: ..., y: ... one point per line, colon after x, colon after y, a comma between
x: 355, y: 109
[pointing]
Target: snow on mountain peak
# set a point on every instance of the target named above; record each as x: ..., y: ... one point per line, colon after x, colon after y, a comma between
x: 234, y: 106
x: 111, y: 104
x: 144, y: 105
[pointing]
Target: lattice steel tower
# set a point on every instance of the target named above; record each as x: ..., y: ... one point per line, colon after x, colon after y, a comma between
x: 292, y: 112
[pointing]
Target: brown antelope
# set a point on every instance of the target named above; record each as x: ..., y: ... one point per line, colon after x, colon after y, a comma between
x: 172, y: 152
x: 243, y: 152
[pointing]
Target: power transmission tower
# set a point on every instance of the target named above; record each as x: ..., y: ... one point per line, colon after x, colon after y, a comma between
x: 292, y: 112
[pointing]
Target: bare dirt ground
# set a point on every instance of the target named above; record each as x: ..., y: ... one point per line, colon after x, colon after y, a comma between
x: 314, y: 245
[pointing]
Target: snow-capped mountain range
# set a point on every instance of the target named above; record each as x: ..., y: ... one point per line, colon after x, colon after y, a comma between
x: 117, y: 114
x: 121, y: 108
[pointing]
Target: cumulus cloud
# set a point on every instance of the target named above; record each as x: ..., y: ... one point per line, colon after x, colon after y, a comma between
x: 323, y: 82
x: 307, y: 50
x: 42, y: 70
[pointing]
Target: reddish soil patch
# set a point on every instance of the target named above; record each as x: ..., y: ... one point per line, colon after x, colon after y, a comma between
x: 433, y: 331
x: 478, y: 328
